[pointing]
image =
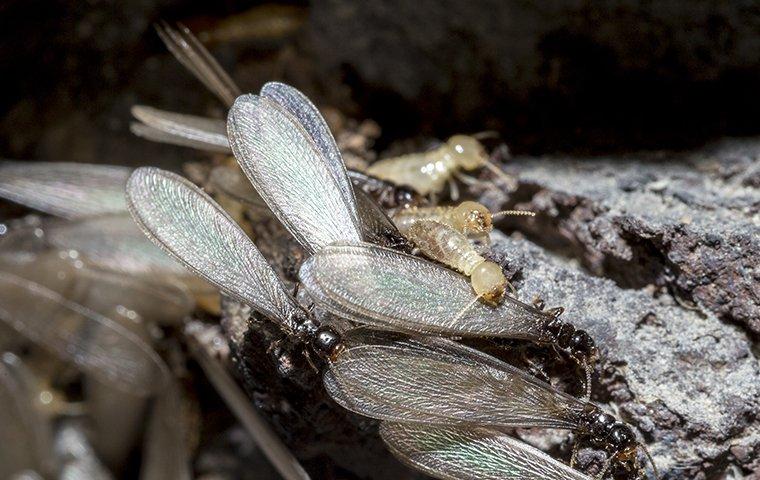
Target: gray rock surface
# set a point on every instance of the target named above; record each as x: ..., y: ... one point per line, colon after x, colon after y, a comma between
x: 688, y: 223
x: 689, y: 382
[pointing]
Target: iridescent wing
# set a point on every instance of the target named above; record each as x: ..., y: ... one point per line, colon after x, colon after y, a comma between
x: 393, y: 376
x: 96, y: 344
x: 69, y: 190
x: 300, y: 107
x: 467, y: 453
x: 193, y: 55
x: 379, y: 286
x: 188, y: 224
x: 293, y: 177
x: 179, y: 129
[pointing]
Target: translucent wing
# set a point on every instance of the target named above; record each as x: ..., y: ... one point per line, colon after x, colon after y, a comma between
x: 312, y: 121
x: 166, y: 454
x: 465, y: 453
x: 392, y: 376
x: 193, y: 55
x: 180, y: 129
x: 113, y: 295
x: 377, y: 227
x: 25, y: 432
x: 287, y: 169
x: 231, y: 181
x: 182, y: 219
x: 380, y: 286
x: 95, y: 343
x: 112, y: 243
x: 69, y: 190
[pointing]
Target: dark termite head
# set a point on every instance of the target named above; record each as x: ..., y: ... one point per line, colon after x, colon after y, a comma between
x: 614, y: 436
x: 327, y: 343
x: 404, y: 197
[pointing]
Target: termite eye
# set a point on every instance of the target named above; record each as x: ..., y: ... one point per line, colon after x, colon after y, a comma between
x: 470, y: 153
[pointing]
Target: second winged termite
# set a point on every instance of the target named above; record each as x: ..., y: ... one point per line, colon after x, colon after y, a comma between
x: 429, y: 172
x: 433, y: 381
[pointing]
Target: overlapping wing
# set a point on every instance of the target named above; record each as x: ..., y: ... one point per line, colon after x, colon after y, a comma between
x: 468, y: 453
x: 93, y: 342
x: 179, y: 129
x: 69, y: 190
x: 290, y: 173
x: 187, y: 223
x: 393, y: 376
x: 195, y: 57
x: 26, y: 432
x: 299, y: 105
x: 379, y: 286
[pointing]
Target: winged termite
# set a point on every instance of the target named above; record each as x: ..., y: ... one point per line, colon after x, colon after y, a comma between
x: 196, y: 58
x: 429, y: 172
x: 180, y: 129
x: 25, y: 431
x: 401, y: 378
x: 304, y: 183
x: 186, y: 222
x: 68, y: 190
x: 378, y: 286
x: 277, y: 453
x: 471, y: 453
x: 93, y: 342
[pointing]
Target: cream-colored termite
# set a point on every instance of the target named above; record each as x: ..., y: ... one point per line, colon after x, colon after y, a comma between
x: 469, y: 218
x: 429, y: 172
x: 444, y: 244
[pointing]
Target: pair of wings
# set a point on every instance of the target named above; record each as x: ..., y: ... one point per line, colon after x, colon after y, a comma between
x: 287, y: 152
x: 397, y: 377
x: 471, y: 453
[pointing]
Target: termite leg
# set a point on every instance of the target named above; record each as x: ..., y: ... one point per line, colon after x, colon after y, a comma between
x: 309, y: 360
x: 453, y: 190
x: 274, y: 345
x: 539, y: 303
x: 535, y: 369
x: 574, y: 455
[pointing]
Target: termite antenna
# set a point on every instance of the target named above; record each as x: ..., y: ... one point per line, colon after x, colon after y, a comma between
x: 508, y: 180
x: 604, y: 469
x: 485, y: 135
x: 514, y: 213
x: 651, y: 461
x: 587, y: 368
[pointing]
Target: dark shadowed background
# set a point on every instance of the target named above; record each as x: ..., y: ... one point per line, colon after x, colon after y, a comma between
x: 556, y: 76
